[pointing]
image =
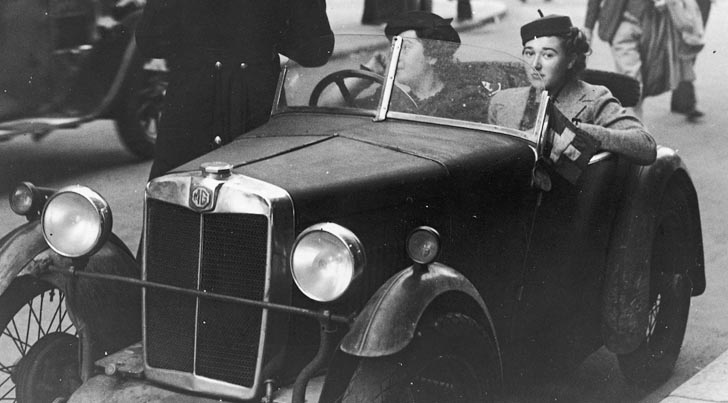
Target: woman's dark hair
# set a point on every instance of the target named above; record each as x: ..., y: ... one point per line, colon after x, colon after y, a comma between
x: 575, y: 42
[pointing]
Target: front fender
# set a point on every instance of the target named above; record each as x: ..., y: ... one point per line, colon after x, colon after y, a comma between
x: 18, y: 249
x: 626, y: 286
x: 21, y: 250
x: 388, y: 322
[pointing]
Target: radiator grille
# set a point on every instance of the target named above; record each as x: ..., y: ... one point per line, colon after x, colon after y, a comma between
x: 233, y: 262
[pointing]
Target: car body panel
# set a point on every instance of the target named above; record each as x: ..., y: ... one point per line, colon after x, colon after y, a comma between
x: 387, y: 324
x: 378, y: 164
x: 17, y: 249
x: 626, y: 299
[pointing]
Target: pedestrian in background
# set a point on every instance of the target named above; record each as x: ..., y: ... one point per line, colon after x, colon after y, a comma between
x: 683, y: 98
x: 620, y: 25
x: 224, y: 66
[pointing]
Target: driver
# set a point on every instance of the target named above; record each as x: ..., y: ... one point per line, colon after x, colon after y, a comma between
x: 426, y: 59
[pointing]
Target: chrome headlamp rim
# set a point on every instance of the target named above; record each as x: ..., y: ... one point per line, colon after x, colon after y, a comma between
x: 99, y: 205
x: 348, y: 239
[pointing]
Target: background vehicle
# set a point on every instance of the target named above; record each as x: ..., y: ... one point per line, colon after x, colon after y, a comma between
x: 343, y: 251
x: 66, y: 63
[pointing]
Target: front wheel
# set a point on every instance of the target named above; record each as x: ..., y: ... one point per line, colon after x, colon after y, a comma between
x: 451, y: 359
x: 31, y: 311
x: 670, y: 291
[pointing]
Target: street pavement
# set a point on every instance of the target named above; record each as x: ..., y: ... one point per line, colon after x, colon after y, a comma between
x: 345, y: 15
x: 708, y: 385
x: 345, y: 18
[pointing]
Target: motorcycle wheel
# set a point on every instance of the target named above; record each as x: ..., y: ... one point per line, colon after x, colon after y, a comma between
x: 30, y: 310
x: 138, y: 117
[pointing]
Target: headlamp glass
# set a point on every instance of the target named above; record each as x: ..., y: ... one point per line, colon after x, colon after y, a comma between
x: 76, y: 222
x: 324, y: 263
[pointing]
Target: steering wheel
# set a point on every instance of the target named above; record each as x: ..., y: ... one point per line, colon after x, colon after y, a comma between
x: 338, y: 78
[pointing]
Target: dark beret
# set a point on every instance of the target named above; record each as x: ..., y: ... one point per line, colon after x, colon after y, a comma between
x: 550, y: 25
x: 426, y: 25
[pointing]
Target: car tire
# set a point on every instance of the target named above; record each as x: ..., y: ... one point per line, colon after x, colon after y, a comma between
x: 451, y: 359
x: 30, y: 309
x: 140, y: 108
x: 50, y: 370
x: 670, y: 290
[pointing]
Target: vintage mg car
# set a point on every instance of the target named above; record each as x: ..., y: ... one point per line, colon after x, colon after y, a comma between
x: 361, y: 252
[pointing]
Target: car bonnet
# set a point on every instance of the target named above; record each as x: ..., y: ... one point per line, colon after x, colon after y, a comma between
x: 320, y: 156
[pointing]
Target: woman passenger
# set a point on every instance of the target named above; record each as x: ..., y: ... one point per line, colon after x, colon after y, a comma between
x: 557, y: 50
x: 426, y: 61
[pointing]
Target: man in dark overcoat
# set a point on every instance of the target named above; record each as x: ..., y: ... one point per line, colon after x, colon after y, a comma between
x: 224, y: 64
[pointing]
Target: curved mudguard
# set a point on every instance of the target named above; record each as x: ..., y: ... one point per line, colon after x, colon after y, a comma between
x: 626, y: 287
x: 23, y: 246
x: 17, y: 249
x: 388, y: 322
x: 112, y: 311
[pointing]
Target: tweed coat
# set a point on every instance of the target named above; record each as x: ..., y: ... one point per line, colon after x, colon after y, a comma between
x: 593, y: 106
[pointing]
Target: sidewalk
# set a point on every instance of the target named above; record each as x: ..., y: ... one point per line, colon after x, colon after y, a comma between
x: 708, y: 385
x: 345, y: 18
x: 345, y: 15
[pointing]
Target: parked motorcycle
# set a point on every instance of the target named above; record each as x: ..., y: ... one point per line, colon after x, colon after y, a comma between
x: 69, y: 62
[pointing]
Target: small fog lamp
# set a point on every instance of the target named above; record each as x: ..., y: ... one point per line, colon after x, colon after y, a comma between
x: 423, y: 245
x: 76, y: 221
x: 26, y: 199
x: 325, y: 260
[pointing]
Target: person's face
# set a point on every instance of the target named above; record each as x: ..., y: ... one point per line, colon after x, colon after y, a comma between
x: 548, y: 57
x: 412, y: 60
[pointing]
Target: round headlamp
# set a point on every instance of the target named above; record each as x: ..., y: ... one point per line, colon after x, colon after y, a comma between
x: 76, y: 221
x: 423, y: 245
x: 325, y: 260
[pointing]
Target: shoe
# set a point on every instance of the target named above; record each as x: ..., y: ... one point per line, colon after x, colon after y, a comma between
x: 694, y: 115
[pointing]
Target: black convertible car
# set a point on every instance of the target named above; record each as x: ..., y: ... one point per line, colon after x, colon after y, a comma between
x: 357, y: 254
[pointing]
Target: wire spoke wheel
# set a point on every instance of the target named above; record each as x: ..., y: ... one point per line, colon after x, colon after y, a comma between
x: 30, y: 309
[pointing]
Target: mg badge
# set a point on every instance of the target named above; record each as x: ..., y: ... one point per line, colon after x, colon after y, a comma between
x: 201, y: 198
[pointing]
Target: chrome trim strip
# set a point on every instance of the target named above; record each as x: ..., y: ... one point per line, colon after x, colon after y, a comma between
x: 234, y: 194
x: 540, y: 128
x: 197, y: 284
x: 279, y: 90
x: 389, y: 83
x: 460, y: 123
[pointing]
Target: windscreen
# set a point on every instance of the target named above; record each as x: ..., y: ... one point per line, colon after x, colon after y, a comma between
x: 432, y: 79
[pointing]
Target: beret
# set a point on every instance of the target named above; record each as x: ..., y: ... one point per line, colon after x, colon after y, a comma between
x: 550, y: 25
x: 426, y: 25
